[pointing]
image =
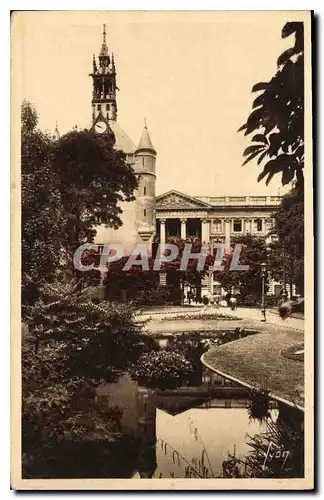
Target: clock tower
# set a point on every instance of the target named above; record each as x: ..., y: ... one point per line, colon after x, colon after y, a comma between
x: 138, y: 216
x: 104, y: 105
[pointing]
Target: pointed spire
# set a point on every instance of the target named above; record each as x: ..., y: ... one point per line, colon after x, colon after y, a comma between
x: 145, y: 142
x: 104, y: 48
x: 104, y: 34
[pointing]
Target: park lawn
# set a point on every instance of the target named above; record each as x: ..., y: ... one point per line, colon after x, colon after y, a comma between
x: 257, y: 361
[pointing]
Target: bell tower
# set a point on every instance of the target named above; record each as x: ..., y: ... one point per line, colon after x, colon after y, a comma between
x: 104, y: 84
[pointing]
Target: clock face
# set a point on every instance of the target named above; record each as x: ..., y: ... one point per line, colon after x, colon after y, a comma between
x: 100, y: 127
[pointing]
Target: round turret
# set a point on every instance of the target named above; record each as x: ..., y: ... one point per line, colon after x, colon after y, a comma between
x: 145, y: 157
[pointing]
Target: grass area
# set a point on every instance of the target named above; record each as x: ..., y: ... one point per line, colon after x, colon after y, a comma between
x: 257, y: 361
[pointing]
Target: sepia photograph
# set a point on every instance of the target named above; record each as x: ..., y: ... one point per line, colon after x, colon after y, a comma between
x: 162, y: 250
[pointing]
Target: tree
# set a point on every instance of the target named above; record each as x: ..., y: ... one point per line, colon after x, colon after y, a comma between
x: 192, y: 275
x: 135, y: 285
x: 289, y: 249
x: 93, y: 179
x: 68, y: 187
x: 277, y: 119
x: 72, y: 343
x: 142, y: 286
x: 254, y: 251
x: 43, y: 216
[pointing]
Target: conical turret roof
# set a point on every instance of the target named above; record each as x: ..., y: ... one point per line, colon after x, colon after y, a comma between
x: 145, y: 142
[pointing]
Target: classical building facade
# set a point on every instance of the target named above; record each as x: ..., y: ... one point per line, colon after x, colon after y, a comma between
x: 212, y: 219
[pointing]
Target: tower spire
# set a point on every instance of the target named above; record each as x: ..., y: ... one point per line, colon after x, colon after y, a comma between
x: 104, y: 34
x: 104, y: 48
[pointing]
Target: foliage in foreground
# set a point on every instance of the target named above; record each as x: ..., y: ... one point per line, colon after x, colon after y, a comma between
x: 71, y: 346
x: 276, y: 453
x: 277, y: 118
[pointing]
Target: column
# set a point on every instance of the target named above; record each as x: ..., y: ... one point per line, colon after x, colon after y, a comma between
x: 183, y: 229
x: 211, y: 282
x: 162, y: 231
x: 205, y: 230
x: 227, y: 231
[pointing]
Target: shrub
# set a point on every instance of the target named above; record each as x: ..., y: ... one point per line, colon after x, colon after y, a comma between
x: 205, y: 300
x: 162, y: 370
x: 272, y: 300
x: 250, y: 301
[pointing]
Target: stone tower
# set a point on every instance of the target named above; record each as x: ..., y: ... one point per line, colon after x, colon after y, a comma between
x: 139, y: 216
x: 145, y: 156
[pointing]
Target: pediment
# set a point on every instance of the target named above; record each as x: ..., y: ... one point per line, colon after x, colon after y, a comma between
x: 175, y: 199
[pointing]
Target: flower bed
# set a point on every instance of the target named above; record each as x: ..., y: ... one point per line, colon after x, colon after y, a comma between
x: 202, y: 316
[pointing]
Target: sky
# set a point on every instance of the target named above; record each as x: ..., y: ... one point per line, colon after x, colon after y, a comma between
x: 189, y: 73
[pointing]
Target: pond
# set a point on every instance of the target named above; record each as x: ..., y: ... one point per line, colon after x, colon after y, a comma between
x: 192, y: 430
x: 185, y: 431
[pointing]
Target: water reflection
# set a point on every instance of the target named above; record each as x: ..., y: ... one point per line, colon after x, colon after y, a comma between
x: 184, y: 432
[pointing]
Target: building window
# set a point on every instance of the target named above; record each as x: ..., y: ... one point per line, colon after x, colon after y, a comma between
x: 144, y: 190
x: 143, y: 162
x: 217, y: 226
x: 237, y: 226
x: 258, y: 225
x: 144, y: 212
x: 99, y: 107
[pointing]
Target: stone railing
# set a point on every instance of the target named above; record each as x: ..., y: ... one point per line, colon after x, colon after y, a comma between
x: 241, y: 200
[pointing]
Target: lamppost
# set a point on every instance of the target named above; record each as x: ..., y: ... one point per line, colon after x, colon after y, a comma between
x: 263, y: 268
